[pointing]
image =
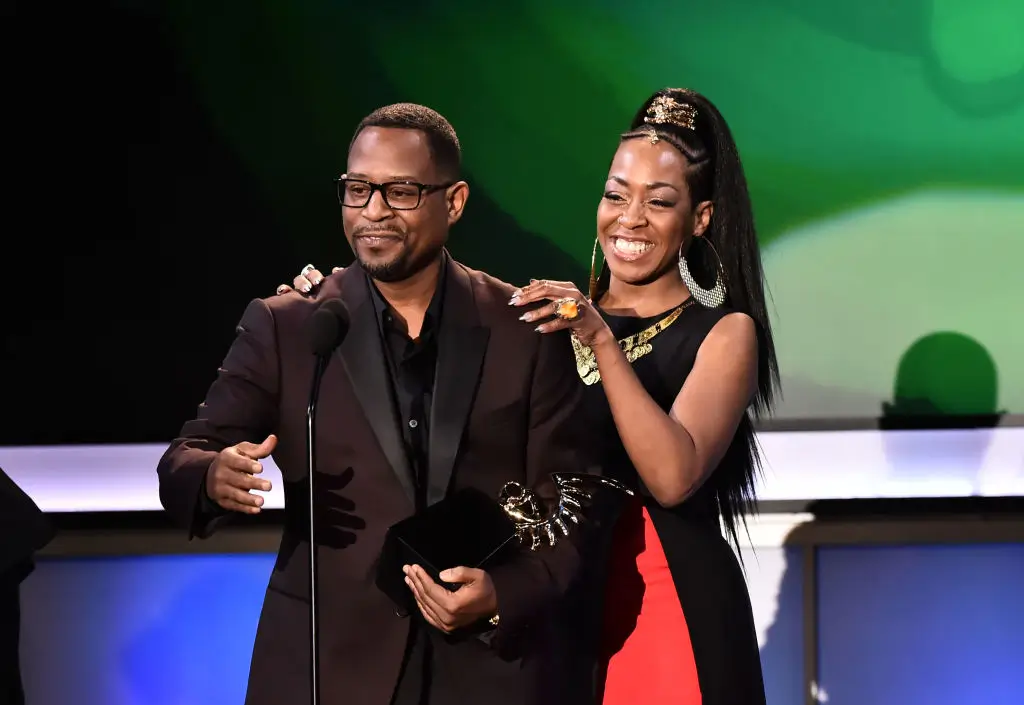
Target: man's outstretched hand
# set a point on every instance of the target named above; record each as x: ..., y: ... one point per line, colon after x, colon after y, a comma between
x: 232, y: 476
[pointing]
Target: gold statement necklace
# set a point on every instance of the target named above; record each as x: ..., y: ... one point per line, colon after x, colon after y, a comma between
x: 634, y: 347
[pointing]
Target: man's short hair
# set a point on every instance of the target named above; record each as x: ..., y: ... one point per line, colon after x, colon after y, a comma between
x: 441, y: 137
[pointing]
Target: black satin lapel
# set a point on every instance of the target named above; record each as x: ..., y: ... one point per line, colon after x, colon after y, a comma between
x: 460, y: 358
x: 364, y: 361
x: 462, y: 343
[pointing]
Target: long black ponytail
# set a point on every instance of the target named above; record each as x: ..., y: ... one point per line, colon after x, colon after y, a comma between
x: 715, y: 174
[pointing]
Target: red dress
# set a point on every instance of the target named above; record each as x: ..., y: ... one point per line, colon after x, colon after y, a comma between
x: 646, y: 650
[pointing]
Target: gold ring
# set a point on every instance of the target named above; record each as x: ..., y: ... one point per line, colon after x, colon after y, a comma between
x: 568, y: 308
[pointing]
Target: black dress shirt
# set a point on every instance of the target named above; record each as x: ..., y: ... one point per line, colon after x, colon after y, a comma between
x: 411, y: 364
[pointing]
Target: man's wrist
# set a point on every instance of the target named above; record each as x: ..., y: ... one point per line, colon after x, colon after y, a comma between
x: 207, y: 505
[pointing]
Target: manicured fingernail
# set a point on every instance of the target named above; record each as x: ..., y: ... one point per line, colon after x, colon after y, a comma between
x: 317, y: 282
x: 526, y: 316
x: 306, y: 288
x: 538, y: 329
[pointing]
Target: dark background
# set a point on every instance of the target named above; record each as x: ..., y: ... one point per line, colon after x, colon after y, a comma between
x: 136, y: 235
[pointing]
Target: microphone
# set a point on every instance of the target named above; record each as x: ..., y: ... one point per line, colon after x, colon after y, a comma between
x: 327, y: 328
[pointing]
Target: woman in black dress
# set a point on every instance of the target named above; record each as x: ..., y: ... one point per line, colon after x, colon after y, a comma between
x: 675, y: 371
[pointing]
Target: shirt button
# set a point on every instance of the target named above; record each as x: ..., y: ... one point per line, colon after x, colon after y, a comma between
x: 413, y: 423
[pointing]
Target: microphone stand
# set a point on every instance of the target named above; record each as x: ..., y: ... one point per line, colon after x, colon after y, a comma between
x: 314, y: 605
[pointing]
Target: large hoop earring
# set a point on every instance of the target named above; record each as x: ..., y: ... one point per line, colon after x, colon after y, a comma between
x: 710, y: 298
x: 594, y: 276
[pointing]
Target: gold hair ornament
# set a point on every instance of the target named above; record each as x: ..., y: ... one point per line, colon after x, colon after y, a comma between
x: 666, y: 110
x: 536, y: 525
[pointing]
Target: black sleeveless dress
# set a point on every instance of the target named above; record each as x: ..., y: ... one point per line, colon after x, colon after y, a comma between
x: 701, y: 647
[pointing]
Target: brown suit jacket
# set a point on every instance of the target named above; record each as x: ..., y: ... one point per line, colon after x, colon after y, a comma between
x: 505, y: 407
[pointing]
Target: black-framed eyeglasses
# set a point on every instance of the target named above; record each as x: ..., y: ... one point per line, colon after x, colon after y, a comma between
x: 398, y: 195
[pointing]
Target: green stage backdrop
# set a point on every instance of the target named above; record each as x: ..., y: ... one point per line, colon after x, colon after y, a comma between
x: 882, y: 140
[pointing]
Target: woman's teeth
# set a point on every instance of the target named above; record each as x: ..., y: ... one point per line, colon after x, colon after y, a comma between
x: 631, y: 248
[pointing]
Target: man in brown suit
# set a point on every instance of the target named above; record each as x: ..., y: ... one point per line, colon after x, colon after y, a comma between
x: 437, y: 386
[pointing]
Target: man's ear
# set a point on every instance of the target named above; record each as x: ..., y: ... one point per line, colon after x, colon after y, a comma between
x: 455, y: 199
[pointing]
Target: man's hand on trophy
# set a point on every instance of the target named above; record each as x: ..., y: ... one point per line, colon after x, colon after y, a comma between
x: 474, y: 601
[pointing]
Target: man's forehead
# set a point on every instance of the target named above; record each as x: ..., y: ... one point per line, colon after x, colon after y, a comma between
x: 391, y: 153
